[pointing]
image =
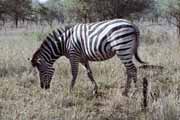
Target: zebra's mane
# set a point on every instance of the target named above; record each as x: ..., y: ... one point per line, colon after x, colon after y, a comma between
x: 60, y: 31
x: 51, y: 36
x: 54, y: 35
x: 57, y: 33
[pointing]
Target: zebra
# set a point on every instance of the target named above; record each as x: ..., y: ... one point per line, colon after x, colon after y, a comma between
x: 86, y: 42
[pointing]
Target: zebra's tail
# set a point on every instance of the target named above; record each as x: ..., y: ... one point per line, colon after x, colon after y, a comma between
x: 137, y: 45
x: 138, y: 58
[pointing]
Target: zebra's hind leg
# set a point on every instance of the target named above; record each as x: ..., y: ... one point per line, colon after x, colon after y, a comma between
x: 90, y: 75
x: 131, y: 71
x: 131, y: 74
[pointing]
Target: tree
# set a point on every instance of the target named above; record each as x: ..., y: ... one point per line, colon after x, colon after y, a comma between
x: 16, y: 9
x: 57, y: 7
x: 52, y: 10
x: 170, y: 10
x: 93, y: 10
x: 174, y: 12
x: 2, y: 11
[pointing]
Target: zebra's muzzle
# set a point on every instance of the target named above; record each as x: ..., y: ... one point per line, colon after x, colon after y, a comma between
x: 45, y: 81
x: 44, y: 86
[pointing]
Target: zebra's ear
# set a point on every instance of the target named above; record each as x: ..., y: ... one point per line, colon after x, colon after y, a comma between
x: 38, y: 61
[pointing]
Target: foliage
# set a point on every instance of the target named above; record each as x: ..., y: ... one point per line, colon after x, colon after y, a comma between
x: 171, y: 11
x: 16, y: 9
x: 69, y: 11
x: 56, y: 10
x: 93, y: 10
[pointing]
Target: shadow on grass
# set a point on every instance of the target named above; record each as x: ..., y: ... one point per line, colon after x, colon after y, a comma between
x: 152, y: 67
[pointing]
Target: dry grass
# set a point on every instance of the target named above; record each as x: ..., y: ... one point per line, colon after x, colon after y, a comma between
x: 21, y: 98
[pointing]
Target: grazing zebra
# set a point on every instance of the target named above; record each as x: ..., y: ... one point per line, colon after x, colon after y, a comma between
x: 89, y: 42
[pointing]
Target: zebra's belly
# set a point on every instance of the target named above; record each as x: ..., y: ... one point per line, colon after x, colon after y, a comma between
x: 100, y: 56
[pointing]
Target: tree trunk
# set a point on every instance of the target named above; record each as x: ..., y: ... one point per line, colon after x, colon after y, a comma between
x: 178, y: 30
x: 16, y: 20
x: 178, y: 26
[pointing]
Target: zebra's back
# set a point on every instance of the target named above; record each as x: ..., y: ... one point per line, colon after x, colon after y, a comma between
x: 100, y: 41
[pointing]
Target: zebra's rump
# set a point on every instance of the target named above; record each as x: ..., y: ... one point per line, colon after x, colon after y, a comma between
x: 99, y: 43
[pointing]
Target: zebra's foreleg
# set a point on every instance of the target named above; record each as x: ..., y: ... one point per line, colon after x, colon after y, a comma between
x: 74, y: 71
x: 90, y: 75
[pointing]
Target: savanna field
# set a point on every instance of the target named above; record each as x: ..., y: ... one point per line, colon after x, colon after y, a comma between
x: 21, y: 97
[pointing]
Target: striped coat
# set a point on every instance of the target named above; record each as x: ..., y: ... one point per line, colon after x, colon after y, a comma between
x: 89, y: 42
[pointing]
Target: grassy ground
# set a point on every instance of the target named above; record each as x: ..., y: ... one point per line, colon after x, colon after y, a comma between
x: 21, y: 98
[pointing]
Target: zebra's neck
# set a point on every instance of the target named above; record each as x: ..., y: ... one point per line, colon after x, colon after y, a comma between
x: 55, y: 45
x: 66, y: 42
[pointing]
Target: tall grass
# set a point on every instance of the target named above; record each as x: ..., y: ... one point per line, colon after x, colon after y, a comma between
x: 21, y: 98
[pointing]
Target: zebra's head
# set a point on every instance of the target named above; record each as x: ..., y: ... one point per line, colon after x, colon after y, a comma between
x: 46, y: 71
x: 51, y: 49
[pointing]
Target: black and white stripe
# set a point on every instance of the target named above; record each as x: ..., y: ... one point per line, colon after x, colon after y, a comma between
x: 91, y: 42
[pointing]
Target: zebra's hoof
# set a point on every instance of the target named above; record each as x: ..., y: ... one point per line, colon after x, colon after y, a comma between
x: 71, y: 90
x: 95, y: 92
x: 125, y: 94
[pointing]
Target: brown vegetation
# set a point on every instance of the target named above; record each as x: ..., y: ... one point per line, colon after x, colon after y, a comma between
x: 22, y: 98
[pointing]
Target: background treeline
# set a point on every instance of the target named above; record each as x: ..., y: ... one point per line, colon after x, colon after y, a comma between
x: 69, y: 11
